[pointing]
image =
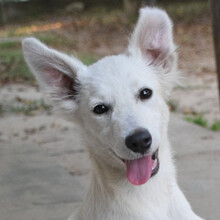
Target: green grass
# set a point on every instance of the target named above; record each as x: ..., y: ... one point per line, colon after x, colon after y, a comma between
x: 28, y: 107
x: 199, y: 120
x: 13, y: 67
x: 215, y: 126
x: 5, y: 45
x: 87, y: 59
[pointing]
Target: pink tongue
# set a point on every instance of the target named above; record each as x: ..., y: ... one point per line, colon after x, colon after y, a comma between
x: 139, y: 170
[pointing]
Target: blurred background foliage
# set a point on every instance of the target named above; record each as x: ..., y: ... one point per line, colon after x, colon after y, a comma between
x: 21, y: 10
x: 59, y: 22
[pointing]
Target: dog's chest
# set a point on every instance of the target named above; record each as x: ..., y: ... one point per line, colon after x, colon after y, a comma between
x: 134, y: 209
x: 157, y: 214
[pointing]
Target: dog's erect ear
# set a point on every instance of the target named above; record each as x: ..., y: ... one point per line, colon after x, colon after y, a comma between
x: 153, y: 38
x: 55, y: 72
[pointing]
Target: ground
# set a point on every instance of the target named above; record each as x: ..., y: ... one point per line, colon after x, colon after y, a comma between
x: 29, y: 126
x: 45, y: 169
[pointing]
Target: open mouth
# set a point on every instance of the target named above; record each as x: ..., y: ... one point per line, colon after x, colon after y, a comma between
x: 140, y: 170
x: 156, y: 165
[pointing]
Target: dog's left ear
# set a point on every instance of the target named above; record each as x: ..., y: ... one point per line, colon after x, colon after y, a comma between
x: 153, y: 39
x: 57, y: 73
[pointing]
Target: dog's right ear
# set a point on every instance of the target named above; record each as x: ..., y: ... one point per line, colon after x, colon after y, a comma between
x: 55, y: 72
x: 153, y: 39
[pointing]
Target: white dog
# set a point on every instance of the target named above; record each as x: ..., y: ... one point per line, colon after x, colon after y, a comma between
x: 119, y: 103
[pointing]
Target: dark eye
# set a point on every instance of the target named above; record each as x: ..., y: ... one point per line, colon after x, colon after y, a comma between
x: 145, y: 94
x: 100, y: 109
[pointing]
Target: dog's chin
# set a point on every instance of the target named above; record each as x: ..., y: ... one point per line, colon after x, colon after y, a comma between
x: 140, y: 170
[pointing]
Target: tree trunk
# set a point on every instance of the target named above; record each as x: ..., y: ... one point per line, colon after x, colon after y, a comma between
x: 3, y: 17
x: 215, y: 7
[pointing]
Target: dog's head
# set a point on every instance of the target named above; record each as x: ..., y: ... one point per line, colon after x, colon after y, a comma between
x: 120, y: 100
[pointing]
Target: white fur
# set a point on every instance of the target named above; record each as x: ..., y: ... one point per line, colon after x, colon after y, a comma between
x: 150, y: 62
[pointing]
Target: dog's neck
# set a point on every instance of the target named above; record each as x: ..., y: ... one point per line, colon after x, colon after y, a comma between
x: 109, y: 187
x: 107, y: 177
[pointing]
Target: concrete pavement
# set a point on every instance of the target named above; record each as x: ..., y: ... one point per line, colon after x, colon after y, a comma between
x: 43, y: 180
x: 198, y: 165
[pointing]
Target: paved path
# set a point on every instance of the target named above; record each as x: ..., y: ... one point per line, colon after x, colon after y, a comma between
x: 198, y: 162
x: 41, y: 180
x: 33, y: 186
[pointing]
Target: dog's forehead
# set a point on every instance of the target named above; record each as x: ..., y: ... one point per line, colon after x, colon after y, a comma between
x: 118, y: 75
x: 123, y: 70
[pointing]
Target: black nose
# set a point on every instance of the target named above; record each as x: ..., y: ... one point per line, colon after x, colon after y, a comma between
x: 139, y: 141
